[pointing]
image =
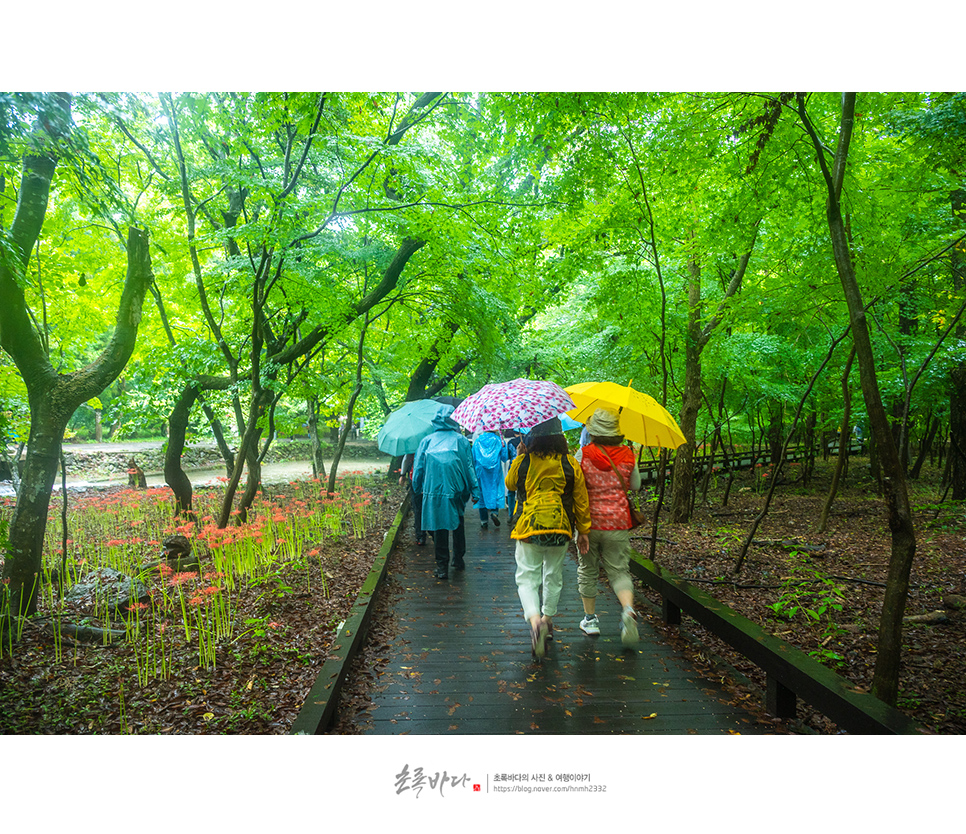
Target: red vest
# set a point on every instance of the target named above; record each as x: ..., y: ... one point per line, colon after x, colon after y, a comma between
x: 608, y: 501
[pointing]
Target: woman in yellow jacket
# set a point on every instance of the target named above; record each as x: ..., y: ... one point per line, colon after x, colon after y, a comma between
x: 551, y: 506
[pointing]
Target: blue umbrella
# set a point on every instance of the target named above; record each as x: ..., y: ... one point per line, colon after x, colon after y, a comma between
x: 406, y: 426
x: 566, y: 424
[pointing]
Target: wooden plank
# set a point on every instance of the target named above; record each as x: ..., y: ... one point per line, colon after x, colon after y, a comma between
x: 461, y: 662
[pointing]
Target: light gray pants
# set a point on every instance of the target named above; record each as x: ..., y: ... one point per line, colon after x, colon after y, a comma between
x: 610, y: 548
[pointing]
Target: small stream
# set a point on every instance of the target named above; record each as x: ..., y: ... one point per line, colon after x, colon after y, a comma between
x: 272, y: 473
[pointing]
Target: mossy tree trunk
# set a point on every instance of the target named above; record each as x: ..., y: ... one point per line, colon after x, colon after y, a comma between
x: 53, y: 397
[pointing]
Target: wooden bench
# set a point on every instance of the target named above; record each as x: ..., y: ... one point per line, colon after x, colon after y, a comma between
x: 790, y: 673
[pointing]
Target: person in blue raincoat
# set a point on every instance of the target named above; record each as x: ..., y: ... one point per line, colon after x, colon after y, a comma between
x: 443, y: 472
x: 489, y: 454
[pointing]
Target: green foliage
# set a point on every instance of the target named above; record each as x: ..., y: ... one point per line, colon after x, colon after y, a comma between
x: 810, y: 594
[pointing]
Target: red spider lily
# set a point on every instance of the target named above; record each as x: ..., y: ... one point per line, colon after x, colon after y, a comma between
x: 196, y: 600
x: 181, y: 578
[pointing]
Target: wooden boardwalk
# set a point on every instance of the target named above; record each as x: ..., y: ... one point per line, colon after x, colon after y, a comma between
x: 461, y: 662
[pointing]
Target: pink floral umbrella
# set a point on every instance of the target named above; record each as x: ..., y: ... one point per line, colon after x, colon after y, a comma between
x: 518, y: 404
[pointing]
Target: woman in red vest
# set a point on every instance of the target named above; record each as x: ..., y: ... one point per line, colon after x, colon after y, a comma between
x: 610, y: 521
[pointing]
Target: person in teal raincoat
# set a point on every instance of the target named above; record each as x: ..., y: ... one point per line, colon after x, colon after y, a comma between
x: 489, y: 454
x: 443, y: 472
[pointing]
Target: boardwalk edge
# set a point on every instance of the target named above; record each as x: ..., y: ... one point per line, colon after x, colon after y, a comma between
x: 321, y: 703
x: 791, y: 673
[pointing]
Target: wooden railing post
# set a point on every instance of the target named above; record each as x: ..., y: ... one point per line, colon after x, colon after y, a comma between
x: 780, y: 701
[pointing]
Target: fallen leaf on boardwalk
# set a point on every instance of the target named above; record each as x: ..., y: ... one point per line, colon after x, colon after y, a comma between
x: 534, y: 725
x: 599, y: 720
x: 648, y: 717
x: 568, y: 713
x: 625, y: 678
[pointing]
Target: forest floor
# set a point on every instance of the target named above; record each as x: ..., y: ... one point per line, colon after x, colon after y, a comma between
x: 821, y: 592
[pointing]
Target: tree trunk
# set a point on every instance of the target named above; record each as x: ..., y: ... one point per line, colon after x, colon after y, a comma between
x: 808, y: 462
x: 333, y: 470
x: 247, y: 449
x: 843, y: 449
x: 957, y: 377
x: 885, y: 682
x: 174, y: 475
x: 312, y: 410
x: 682, y: 488
x: 219, y: 434
x: 932, y: 426
x: 775, y: 432
x: 53, y: 399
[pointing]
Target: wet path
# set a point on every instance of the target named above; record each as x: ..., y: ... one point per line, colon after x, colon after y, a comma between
x: 462, y: 664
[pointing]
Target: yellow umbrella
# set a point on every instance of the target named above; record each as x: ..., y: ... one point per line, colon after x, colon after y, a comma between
x: 642, y: 418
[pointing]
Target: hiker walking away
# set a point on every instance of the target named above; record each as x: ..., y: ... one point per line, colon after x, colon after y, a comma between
x: 443, y: 472
x: 551, y: 507
x: 416, y: 499
x: 489, y: 454
x: 609, y: 468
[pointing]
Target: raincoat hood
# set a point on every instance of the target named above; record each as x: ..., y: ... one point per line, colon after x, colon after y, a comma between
x: 443, y: 422
x: 600, y: 456
x: 488, y: 449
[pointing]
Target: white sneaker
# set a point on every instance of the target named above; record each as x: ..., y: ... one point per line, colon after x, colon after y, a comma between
x: 629, y: 635
x: 590, y: 625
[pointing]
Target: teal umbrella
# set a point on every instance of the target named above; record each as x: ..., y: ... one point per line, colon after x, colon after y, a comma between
x: 406, y: 426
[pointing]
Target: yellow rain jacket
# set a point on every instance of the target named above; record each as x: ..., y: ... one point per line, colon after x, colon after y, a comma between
x: 555, y: 496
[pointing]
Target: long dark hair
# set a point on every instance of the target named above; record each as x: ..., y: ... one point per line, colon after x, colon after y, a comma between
x: 548, y: 445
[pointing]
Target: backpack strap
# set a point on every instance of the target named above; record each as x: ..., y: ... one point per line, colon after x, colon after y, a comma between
x: 521, y: 489
x: 568, y: 495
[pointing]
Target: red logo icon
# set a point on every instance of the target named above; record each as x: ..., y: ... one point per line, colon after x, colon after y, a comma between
x: 476, y: 787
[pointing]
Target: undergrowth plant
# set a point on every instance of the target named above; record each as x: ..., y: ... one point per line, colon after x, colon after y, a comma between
x: 811, y: 594
x: 124, y: 530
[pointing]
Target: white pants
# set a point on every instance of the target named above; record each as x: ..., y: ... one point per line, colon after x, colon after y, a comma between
x: 539, y: 566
